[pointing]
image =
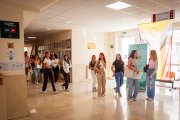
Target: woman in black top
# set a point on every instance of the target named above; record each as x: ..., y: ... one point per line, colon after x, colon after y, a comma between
x: 118, y: 73
x: 91, y: 66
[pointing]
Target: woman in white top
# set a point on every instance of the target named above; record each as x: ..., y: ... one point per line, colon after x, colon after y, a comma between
x: 55, y: 67
x: 66, y: 67
x: 47, y: 64
x: 101, y: 74
x: 151, y: 75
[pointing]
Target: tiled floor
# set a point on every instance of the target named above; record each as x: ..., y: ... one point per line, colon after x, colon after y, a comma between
x: 83, y: 104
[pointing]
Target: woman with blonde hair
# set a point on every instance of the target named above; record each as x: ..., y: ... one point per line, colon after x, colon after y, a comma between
x: 91, y: 66
x: 151, y: 75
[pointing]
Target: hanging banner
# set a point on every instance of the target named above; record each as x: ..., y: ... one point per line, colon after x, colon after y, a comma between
x: 163, y: 16
x: 142, y: 50
x: 158, y: 35
x: 9, y: 29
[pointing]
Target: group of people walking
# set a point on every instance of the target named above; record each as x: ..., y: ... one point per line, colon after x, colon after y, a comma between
x: 98, y: 73
x: 49, y: 63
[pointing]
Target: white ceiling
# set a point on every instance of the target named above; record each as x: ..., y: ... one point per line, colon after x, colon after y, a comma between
x: 92, y: 14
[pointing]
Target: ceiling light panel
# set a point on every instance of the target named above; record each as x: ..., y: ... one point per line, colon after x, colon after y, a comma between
x: 118, y: 5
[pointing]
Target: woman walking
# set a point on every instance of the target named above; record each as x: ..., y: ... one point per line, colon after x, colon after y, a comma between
x: 100, y: 66
x: 151, y: 75
x: 91, y: 66
x: 118, y: 73
x: 66, y: 67
x: 55, y: 67
x: 36, y: 62
x: 132, y: 64
x: 48, y: 73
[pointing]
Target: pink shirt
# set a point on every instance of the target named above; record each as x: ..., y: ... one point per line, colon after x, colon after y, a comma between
x: 153, y: 64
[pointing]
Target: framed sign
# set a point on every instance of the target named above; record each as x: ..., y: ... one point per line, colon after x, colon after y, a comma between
x: 10, y: 45
x: 49, y: 46
x: 53, y: 46
x: 56, y: 45
x: 68, y: 43
x: 59, y: 44
x: 63, y: 44
x: 9, y: 29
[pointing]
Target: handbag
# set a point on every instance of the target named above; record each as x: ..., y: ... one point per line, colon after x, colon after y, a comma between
x: 128, y: 72
x: 98, y: 67
x: 145, y: 68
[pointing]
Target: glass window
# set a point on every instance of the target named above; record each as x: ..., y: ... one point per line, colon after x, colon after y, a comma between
x: 125, y: 46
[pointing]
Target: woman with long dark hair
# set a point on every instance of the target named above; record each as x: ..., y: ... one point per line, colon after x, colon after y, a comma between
x: 132, y: 64
x: 36, y: 62
x: 118, y: 73
x: 66, y: 67
x: 55, y: 67
x: 101, y: 62
x: 47, y: 64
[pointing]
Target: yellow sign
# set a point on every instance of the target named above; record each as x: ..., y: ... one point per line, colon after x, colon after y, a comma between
x: 10, y: 45
x: 91, y: 46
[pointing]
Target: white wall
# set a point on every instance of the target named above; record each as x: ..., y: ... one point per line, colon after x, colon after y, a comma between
x: 81, y: 56
x: 12, y: 13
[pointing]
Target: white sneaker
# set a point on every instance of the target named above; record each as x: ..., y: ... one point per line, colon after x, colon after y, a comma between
x: 37, y: 83
x: 44, y: 92
x: 150, y: 99
x: 102, y: 95
x: 130, y: 100
x: 134, y: 99
x: 115, y: 90
x: 62, y: 87
x: 147, y: 98
x: 55, y: 92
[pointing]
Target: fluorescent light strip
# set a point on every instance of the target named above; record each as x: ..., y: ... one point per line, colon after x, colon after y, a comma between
x: 32, y: 37
x: 118, y: 5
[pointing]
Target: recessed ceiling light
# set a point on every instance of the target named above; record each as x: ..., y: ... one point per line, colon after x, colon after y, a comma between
x: 32, y: 37
x: 118, y: 5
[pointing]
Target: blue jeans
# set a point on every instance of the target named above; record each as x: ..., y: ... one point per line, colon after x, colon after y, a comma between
x: 150, y: 83
x: 131, y: 82
x: 119, y: 80
x: 36, y: 73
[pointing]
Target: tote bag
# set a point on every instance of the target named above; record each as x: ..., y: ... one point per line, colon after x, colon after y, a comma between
x: 128, y: 72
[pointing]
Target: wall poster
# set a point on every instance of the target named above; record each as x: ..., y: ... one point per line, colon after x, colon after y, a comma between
x: 91, y: 46
x: 10, y: 56
x: 9, y: 29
